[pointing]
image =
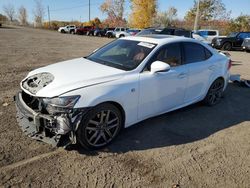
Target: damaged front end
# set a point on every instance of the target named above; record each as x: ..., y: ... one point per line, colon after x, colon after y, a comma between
x: 51, y: 120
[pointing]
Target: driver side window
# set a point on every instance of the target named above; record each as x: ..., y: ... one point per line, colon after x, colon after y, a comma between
x: 170, y: 54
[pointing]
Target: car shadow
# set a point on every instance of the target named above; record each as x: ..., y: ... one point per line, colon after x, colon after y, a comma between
x: 185, y: 125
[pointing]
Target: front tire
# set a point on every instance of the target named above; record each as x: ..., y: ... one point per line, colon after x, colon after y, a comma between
x: 100, y: 126
x: 227, y: 46
x: 214, y: 93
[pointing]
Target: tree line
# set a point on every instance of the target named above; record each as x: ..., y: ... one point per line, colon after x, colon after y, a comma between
x: 144, y: 13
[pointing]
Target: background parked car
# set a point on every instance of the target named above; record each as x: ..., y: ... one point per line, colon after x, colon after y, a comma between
x: 205, y: 35
x: 110, y: 32
x: 133, y: 32
x: 67, y: 29
x: 246, y: 44
x: 83, y: 30
x: 129, y: 32
x: 232, y: 41
x: 91, y: 32
x: 120, y: 32
x: 100, y: 32
x: 166, y: 31
x: 149, y: 31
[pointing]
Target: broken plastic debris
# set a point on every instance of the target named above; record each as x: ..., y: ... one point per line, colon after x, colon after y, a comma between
x: 236, y: 79
x: 6, y: 104
x: 175, y: 186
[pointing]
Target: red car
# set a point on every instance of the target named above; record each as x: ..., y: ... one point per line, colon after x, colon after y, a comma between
x: 83, y: 30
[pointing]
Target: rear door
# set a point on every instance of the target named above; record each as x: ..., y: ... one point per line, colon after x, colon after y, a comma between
x: 200, y: 69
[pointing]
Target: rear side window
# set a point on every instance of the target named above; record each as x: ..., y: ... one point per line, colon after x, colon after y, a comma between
x: 211, y: 33
x: 202, y: 33
x: 195, y: 52
x: 244, y: 35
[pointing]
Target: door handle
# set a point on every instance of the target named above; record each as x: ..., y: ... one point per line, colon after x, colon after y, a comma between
x: 182, y: 75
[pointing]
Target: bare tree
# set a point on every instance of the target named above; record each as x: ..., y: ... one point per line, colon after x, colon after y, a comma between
x: 9, y: 11
x: 38, y: 13
x: 22, y: 15
x: 171, y: 13
x: 165, y: 18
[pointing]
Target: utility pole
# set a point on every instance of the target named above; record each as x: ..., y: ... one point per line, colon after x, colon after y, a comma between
x: 89, y: 10
x: 197, y: 16
x: 49, y: 16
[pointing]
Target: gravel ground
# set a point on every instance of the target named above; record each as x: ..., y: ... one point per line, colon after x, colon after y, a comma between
x: 197, y: 146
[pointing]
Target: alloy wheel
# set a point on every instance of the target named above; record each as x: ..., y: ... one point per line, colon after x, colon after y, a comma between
x: 215, y: 92
x: 102, y: 128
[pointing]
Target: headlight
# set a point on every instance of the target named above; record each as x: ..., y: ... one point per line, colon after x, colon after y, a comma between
x: 219, y: 40
x: 60, y: 104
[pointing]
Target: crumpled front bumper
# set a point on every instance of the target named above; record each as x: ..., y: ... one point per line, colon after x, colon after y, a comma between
x: 31, y: 121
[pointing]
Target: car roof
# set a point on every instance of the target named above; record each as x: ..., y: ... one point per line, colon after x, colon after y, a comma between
x: 159, y: 39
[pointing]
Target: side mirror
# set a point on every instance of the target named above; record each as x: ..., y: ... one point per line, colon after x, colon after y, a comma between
x: 159, y: 66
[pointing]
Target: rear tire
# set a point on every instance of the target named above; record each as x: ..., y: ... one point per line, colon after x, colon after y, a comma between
x: 214, y: 93
x: 227, y: 46
x: 100, y: 126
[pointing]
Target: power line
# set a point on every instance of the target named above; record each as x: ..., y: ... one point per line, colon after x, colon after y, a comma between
x: 79, y: 6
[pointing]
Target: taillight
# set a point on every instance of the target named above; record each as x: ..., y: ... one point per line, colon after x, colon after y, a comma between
x: 229, y: 64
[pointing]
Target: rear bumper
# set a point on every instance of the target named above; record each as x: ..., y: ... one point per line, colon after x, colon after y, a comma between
x: 32, y: 123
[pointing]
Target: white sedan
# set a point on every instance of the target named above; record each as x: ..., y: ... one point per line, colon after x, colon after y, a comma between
x: 89, y: 100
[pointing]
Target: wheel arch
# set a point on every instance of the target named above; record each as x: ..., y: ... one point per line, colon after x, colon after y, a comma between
x: 218, y: 78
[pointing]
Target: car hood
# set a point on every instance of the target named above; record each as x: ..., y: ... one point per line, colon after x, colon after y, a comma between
x: 59, y: 78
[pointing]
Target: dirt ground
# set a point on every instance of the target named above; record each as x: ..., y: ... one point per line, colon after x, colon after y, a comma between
x: 197, y: 146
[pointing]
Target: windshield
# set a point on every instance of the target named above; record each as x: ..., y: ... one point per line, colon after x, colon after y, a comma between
x: 122, y: 54
x: 232, y: 34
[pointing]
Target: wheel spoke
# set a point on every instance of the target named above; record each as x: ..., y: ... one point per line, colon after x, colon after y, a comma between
x: 113, y: 120
x: 108, y: 132
x: 102, y: 117
x: 98, y: 138
x: 93, y: 122
x: 104, y: 137
x: 93, y: 136
x: 112, y: 126
x: 107, y: 116
x: 91, y: 128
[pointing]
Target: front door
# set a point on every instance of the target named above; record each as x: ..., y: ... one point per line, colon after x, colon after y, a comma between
x: 163, y: 91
